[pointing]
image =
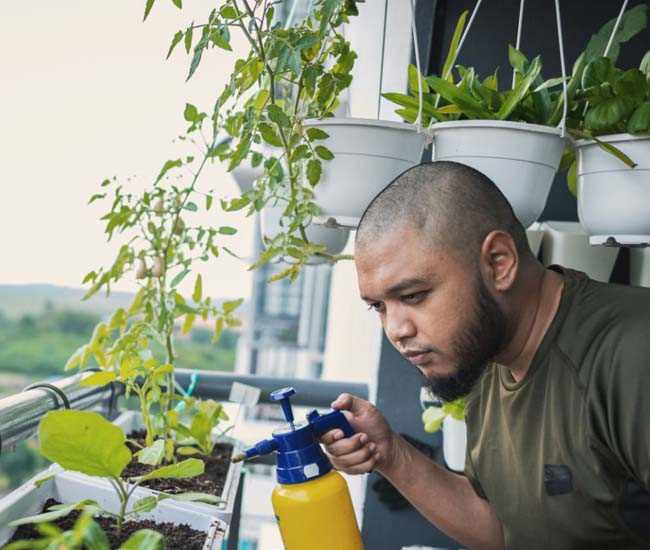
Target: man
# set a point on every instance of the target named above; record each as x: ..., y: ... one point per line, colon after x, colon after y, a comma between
x: 556, y: 366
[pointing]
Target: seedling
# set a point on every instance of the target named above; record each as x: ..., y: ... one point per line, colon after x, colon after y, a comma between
x: 86, y: 442
x: 198, y: 435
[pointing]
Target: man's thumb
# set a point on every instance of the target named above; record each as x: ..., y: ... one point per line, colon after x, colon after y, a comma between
x: 347, y: 402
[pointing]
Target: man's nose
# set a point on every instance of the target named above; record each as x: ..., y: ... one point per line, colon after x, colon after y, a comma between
x: 398, y: 326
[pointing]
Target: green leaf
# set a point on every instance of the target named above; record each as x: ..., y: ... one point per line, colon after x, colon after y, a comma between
x: 640, y: 120
x: 190, y: 467
x: 632, y: 23
x: 153, y: 454
x: 167, y: 167
x: 43, y: 480
x: 198, y: 289
x: 147, y: 8
x: 175, y: 41
x: 453, y: 46
x: 572, y: 178
x: 99, y: 379
x: 597, y: 72
x: 188, y: 323
x: 323, y: 152
x: 178, y: 3
x: 316, y: 133
x: 520, y: 90
x: 198, y: 497
x: 93, y: 535
x: 518, y: 60
x: 231, y: 305
x: 218, y: 329
x: 277, y: 115
x: 191, y: 113
x: 550, y: 83
x: 644, y: 66
x: 198, y: 53
x: 179, y: 277
x: 226, y: 230
x: 470, y: 107
x: 144, y: 539
x: 84, y: 442
x: 314, y: 171
x: 260, y: 100
x: 228, y: 12
x: 433, y: 418
x: 53, y: 513
x: 414, y: 79
x: 144, y: 505
x: 269, y: 135
x: 191, y: 206
x: 187, y: 451
x: 608, y: 114
x: 631, y: 84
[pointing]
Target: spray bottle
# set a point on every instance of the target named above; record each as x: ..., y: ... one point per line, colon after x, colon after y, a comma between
x: 312, y: 502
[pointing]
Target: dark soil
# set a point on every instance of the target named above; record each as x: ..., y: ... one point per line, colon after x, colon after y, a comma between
x: 211, y: 481
x: 176, y: 536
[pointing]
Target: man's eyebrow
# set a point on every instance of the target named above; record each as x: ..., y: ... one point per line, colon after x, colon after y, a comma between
x: 401, y: 287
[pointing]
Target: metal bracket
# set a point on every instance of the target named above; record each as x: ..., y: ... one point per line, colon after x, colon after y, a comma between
x: 53, y: 389
x: 340, y: 222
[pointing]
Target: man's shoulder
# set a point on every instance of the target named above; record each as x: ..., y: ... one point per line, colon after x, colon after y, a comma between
x: 606, y: 322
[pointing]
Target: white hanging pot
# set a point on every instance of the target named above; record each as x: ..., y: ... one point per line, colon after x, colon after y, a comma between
x: 368, y: 155
x: 245, y: 175
x: 334, y: 239
x: 521, y: 159
x: 613, y: 199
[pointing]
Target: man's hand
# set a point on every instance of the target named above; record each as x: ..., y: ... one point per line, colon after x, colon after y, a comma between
x: 371, y: 447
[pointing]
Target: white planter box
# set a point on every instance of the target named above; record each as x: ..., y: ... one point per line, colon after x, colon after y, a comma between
x: 334, y: 238
x: 521, y: 159
x: 368, y: 155
x: 131, y: 421
x: 613, y: 199
x: 28, y: 500
x: 567, y: 244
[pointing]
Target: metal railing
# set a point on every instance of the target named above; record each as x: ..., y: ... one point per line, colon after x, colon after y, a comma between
x: 21, y: 413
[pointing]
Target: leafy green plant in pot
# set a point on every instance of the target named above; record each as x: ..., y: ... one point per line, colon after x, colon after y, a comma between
x: 86, y: 443
x: 611, y: 120
x: 509, y: 133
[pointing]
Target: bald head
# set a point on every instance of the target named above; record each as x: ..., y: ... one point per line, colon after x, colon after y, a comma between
x: 451, y: 204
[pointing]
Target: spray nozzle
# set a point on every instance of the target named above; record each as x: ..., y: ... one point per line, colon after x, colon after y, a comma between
x: 282, y: 395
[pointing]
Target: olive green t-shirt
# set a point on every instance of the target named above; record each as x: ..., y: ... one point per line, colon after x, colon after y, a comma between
x: 563, y: 456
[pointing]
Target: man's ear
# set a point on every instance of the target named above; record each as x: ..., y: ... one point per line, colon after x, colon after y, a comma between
x: 499, y: 260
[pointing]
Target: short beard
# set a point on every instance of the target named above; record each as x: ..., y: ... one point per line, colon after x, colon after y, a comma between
x: 476, y: 345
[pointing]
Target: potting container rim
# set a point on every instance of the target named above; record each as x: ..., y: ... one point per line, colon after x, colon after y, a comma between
x: 613, y: 138
x: 361, y: 122
x: 497, y: 124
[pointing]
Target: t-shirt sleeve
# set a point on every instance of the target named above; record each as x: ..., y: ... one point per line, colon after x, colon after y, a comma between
x: 620, y: 399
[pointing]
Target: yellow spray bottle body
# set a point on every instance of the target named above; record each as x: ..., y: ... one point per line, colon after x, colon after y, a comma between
x: 317, y: 514
x: 312, y: 502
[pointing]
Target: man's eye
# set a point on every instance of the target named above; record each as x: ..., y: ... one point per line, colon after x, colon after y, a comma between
x: 375, y: 306
x: 413, y: 298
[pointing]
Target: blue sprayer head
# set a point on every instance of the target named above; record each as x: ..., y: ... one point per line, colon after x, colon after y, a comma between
x: 300, y: 457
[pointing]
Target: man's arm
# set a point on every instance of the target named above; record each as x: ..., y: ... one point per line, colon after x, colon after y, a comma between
x: 446, y: 499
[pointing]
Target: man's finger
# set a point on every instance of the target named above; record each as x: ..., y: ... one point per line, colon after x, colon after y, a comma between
x: 330, y: 437
x: 347, y: 445
x: 355, y: 458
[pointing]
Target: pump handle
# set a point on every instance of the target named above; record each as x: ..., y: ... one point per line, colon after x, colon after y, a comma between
x: 322, y: 424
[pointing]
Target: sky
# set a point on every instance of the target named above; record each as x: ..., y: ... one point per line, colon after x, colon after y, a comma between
x: 85, y: 94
